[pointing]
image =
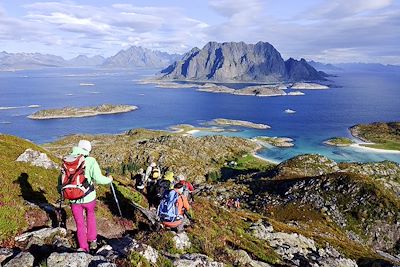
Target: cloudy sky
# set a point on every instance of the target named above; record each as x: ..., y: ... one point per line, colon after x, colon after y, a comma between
x: 328, y: 31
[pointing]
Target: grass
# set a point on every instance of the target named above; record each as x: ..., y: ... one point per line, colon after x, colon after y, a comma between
x: 388, y: 145
x: 250, y: 162
x: 340, y: 141
x: 385, y: 135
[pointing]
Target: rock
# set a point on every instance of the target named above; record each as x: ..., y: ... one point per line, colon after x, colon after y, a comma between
x: 78, y: 259
x: 5, y: 253
x: 42, y: 234
x: 37, y: 158
x: 23, y: 259
x: 261, y: 230
x: 182, y: 241
x: 123, y: 247
x: 196, y: 260
x: 243, y: 259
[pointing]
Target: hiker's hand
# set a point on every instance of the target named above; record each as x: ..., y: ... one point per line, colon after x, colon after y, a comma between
x: 109, y: 176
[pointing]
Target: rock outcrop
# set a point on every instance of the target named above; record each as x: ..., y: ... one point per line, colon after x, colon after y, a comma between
x: 37, y: 158
x: 239, y: 62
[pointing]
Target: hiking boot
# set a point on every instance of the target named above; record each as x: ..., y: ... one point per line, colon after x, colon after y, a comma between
x: 81, y: 250
x: 93, y: 245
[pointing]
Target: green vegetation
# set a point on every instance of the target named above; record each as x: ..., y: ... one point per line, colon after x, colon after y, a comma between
x: 384, y: 135
x: 135, y: 259
x: 250, y: 162
x: 339, y: 141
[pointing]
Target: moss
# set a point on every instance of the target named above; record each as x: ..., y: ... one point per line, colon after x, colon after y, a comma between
x: 164, y: 262
x: 135, y: 259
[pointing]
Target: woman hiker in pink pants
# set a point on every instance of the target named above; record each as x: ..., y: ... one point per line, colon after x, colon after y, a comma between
x: 87, y: 232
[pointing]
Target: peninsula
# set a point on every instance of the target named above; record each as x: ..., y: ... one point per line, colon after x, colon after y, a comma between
x: 379, y: 135
x: 240, y: 123
x: 72, y: 112
x: 275, y: 141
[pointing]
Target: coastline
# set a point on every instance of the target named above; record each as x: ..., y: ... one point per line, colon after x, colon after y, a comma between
x: 371, y: 149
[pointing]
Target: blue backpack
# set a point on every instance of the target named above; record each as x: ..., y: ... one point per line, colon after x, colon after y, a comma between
x: 168, y: 210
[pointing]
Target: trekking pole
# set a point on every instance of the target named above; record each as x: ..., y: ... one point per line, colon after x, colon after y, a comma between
x: 115, y: 195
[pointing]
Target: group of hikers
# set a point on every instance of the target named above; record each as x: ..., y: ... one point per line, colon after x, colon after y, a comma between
x: 167, y: 196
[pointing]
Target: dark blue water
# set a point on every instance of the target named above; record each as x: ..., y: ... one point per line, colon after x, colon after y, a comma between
x: 321, y: 114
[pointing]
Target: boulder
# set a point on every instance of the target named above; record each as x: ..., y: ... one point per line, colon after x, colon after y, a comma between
x: 37, y: 158
x: 78, y: 259
x: 41, y: 234
x: 196, y: 260
x: 243, y: 259
x: 23, y: 259
x: 5, y: 253
x: 182, y: 241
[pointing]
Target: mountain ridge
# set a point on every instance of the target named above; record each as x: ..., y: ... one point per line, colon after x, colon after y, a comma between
x: 238, y: 61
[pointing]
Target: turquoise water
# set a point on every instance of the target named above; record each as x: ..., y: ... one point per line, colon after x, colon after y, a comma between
x: 360, y: 98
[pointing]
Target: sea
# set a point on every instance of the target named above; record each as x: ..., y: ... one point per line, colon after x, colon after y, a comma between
x: 356, y: 97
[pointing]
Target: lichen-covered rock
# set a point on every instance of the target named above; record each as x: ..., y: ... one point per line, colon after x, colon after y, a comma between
x: 37, y: 158
x: 306, y: 166
x: 196, y: 260
x: 182, y: 241
x: 42, y: 234
x: 300, y: 250
x: 78, y: 259
x: 243, y: 259
x: 23, y: 259
x: 5, y: 253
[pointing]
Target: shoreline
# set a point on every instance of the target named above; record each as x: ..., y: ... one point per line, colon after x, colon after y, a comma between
x: 371, y: 149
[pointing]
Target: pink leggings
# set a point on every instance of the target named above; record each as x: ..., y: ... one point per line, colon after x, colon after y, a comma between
x: 85, y: 234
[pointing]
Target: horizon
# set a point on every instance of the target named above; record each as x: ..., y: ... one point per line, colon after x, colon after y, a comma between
x: 324, y: 31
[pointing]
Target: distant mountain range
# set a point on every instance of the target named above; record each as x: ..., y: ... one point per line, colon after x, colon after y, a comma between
x: 129, y: 58
x: 137, y: 56
x: 239, y: 62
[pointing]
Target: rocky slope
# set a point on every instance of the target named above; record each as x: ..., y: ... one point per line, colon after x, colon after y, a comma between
x: 307, y: 211
x: 239, y: 62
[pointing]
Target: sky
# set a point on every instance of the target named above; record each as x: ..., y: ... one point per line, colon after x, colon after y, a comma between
x: 331, y: 31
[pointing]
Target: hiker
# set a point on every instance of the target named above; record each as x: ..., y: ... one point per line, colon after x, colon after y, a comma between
x: 140, y: 179
x: 162, y: 187
x: 237, y: 203
x: 187, y: 187
x: 79, y: 173
x: 172, y: 209
x: 153, y: 172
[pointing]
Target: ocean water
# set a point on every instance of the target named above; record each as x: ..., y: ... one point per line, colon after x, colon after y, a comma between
x: 361, y: 97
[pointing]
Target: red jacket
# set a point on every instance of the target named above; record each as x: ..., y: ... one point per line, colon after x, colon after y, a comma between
x: 188, y: 185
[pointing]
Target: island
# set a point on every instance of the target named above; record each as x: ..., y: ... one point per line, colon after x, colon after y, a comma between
x: 339, y: 142
x: 295, y: 93
x: 378, y: 135
x: 240, y: 123
x: 72, y: 112
x: 282, y: 142
x: 308, y: 86
x: 290, y: 111
x: 259, y: 90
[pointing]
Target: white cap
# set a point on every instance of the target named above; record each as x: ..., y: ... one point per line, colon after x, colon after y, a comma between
x: 85, y: 144
x: 153, y: 164
x: 181, y: 177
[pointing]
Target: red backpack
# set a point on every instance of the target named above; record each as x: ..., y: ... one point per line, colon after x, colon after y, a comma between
x: 74, y: 184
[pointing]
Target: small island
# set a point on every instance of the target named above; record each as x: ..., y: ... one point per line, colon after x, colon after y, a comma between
x: 339, y: 142
x: 282, y: 142
x: 259, y: 90
x: 246, y: 124
x: 72, y: 112
x: 309, y: 86
x: 378, y: 135
x: 295, y: 93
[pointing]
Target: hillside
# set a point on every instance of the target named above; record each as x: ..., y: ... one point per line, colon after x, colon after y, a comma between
x: 308, y: 211
x: 239, y: 62
x: 383, y: 135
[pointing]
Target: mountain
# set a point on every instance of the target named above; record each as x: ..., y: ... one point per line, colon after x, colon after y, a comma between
x: 239, y: 62
x: 137, y: 56
x: 368, y: 67
x: 10, y: 61
x: 85, y: 61
x: 322, y: 66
